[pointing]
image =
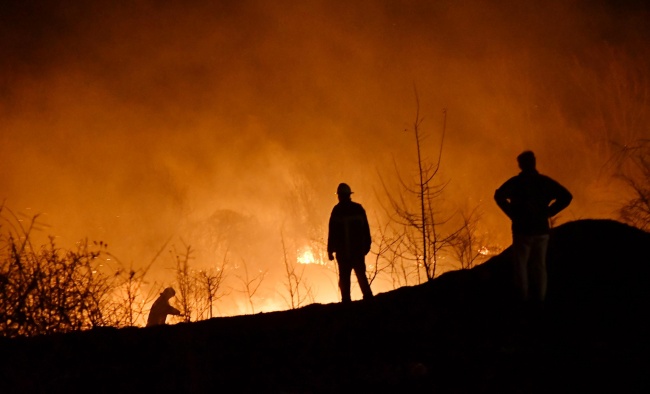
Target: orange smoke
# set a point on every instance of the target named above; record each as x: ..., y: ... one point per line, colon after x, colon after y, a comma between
x: 226, y: 125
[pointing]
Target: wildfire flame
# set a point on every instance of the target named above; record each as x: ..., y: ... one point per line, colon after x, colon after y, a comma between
x: 306, y: 256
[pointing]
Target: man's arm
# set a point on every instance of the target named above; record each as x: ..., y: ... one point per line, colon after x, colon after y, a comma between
x: 562, y: 199
x: 501, y: 196
x: 173, y: 311
x: 169, y: 310
x: 330, y: 244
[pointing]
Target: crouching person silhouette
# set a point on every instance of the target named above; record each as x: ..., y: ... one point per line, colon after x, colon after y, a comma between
x: 530, y: 199
x: 349, y: 240
x: 161, y: 308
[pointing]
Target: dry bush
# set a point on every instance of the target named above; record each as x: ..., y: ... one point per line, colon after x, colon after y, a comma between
x: 48, y: 289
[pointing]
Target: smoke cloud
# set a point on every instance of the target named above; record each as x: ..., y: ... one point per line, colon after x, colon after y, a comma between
x: 227, y: 125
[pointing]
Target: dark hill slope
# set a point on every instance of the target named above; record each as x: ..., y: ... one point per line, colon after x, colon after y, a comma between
x: 460, y: 333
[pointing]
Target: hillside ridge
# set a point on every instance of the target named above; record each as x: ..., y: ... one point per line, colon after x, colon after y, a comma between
x: 461, y: 332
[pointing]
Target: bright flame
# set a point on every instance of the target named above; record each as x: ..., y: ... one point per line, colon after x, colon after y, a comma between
x: 306, y: 256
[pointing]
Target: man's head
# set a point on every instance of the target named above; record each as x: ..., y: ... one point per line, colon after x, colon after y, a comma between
x: 168, y: 292
x: 344, y: 192
x: 526, y: 161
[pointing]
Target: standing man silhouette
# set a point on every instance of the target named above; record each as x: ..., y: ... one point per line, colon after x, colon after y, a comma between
x: 349, y: 239
x: 530, y: 199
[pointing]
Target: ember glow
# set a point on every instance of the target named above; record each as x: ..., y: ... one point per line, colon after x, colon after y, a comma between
x: 226, y: 125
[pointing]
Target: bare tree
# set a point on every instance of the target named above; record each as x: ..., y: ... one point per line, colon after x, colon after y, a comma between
x: 614, y: 110
x: 250, y: 284
x: 128, y: 307
x: 467, y: 246
x: 422, y: 220
x: 210, y: 289
x: 388, y: 251
x: 635, y: 172
x: 198, y: 289
x: 298, y: 290
x: 616, y: 84
x: 129, y: 301
x: 185, y: 282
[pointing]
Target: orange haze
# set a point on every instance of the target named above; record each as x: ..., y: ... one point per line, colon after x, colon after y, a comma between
x: 228, y: 124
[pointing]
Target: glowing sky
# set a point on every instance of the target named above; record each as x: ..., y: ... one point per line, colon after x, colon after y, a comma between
x: 137, y: 122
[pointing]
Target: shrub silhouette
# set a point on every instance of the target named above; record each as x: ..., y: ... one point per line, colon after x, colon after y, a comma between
x: 50, y: 290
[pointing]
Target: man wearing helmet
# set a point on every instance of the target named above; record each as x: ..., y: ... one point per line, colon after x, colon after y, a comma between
x: 349, y: 240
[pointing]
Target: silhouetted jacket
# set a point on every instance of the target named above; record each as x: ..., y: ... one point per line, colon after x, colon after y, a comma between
x: 530, y: 199
x: 159, y: 311
x: 349, y: 232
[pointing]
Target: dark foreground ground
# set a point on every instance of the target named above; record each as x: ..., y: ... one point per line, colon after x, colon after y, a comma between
x: 457, y: 334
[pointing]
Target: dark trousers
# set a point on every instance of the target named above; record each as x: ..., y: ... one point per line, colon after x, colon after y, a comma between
x: 530, y: 266
x: 346, y: 265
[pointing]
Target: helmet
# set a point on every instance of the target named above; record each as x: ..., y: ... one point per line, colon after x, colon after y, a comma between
x: 343, y: 189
